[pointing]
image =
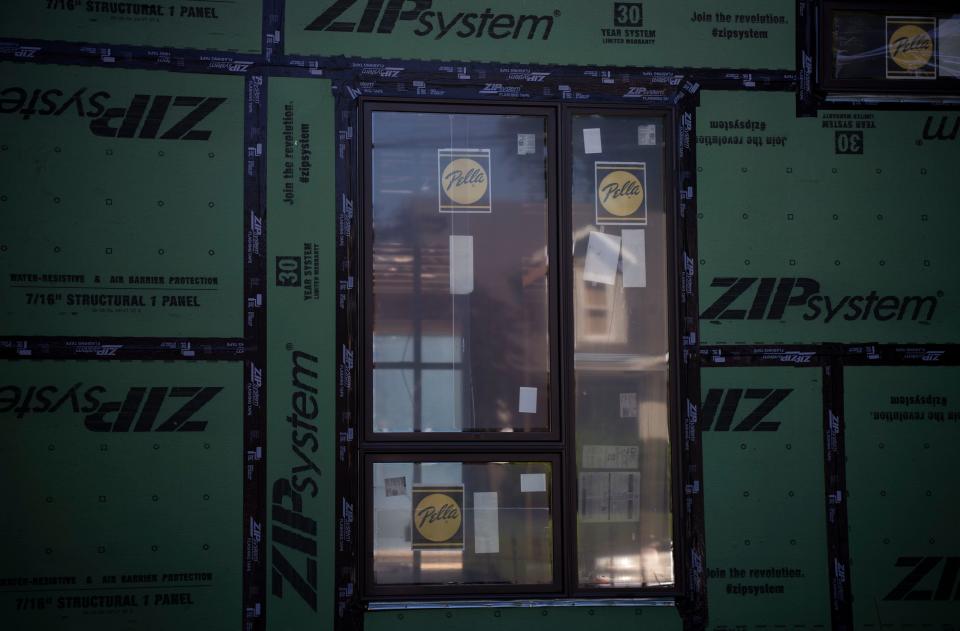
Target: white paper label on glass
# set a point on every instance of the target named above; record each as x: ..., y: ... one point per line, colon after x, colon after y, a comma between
x: 646, y: 135
x: 591, y: 141
x: 593, y: 497
x: 486, y: 523
x: 461, y: 264
x: 533, y: 482
x: 609, y: 497
x: 528, y: 401
x: 628, y: 405
x: 395, y: 486
x: 526, y: 144
x: 603, y: 255
x: 625, y: 496
x: 611, y: 457
x: 634, y: 250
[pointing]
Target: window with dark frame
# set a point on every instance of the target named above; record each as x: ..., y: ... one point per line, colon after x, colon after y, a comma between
x: 888, y: 47
x: 519, y: 352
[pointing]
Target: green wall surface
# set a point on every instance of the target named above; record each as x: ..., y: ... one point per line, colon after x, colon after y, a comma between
x: 764, y: 498
x: 838, y: 228
x: 301, y: 446
x: 123, y: 202
x: 226, y: 25
x: 904, y: 503
x: 119, y: 203
x: 121, y: 496
x: 688, y: 33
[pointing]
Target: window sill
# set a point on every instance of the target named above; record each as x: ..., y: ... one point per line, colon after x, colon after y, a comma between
x: 553, y: 602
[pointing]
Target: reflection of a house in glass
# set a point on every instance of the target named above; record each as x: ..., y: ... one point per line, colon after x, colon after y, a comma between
x: 457, y: 334
x: 621, y: 357
x: 461, y: 321
x: 450, y: 361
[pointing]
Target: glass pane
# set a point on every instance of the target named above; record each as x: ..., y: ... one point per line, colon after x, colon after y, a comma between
x: 393, y: 398
x: 460, y: 291
x: 858, y: 46
x: 471, y: 523
x: 445, y: 407
x: 902, y: 45
x: 621, y: 351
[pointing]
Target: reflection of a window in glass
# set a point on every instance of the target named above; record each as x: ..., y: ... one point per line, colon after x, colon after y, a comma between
x: 418, y: 374
x: 461, y: 312
x: 624, y: 517
x: 418, y: 383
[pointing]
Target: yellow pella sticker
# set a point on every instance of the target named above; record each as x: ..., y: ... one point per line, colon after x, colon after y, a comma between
x: 621, y: 193
x: 437, y: 517
x: 463, y: 180
x: 911, y: 47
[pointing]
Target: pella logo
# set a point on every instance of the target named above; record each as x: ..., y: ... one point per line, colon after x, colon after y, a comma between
x: 910, y: 47
x: 382, y: 17
x: 437, y: 517
x: 728, y: 402
x: 620, y: 193
x: 464, y: 180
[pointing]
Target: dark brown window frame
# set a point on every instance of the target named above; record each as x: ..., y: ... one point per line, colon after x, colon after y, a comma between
x: 556, y: 445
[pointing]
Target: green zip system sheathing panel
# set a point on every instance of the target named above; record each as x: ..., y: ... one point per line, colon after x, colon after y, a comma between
x: 763, y: 498
x: 226, y: 25
x: 122, y: 495
x: 121, y: 202
x: 839, y: 228
x: 685, y: 33
x: 300, y: 356
x: 904, y: 503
